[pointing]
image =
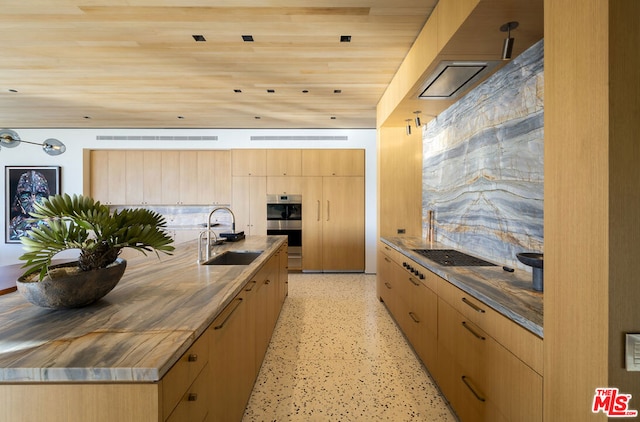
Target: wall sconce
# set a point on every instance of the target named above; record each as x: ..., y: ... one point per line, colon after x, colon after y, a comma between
x: 507, y: 46
x: 408, y: 128
x: 417, y: 119
x: 10, y: 139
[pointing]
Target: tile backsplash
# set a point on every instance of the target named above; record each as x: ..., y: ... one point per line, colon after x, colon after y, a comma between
x: 483, y: 170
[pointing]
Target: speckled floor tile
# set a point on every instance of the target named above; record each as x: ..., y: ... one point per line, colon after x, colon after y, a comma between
x: 336, y: 355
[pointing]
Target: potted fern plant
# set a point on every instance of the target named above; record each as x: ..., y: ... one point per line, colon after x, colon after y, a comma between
x: 79, y: 222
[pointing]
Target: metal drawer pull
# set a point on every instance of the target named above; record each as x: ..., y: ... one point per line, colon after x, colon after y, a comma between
x: 472, y: 305
x: 478, y: 396
x: 328, y: 210
x: 192, y: 358
x: 253, y: 284
x: 414, y: 317
x: 387, y: 259
x: 267, y: 281
x: 318, y: 214
x: 386, y: 283
x: 472, y: 331
x: 192, y: 397
x: 221, y: 325
x: 414, y: 282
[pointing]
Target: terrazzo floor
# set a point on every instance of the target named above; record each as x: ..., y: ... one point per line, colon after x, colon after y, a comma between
x: 336, y: 355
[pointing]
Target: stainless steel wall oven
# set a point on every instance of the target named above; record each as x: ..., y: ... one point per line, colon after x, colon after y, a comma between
x: 284, y: 217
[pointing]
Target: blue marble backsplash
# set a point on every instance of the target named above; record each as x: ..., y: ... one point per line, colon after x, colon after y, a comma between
x: 483, y: 170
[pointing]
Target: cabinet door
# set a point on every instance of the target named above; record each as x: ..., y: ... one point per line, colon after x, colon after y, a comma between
x: 284, y: 185
x: 189, y: 183
x: 100, y: 176
x: 152, y: 183
x: 108, y: 176
x: 249, y: 162
x: 170, y: 177
x: 250, y: 204
x: 343, y: 224
x: 284, y: 162
x: 222, y: 177
x: 227, y: 359
x: 134, y: 169
x: 333, y: 162
x: 312, y: 219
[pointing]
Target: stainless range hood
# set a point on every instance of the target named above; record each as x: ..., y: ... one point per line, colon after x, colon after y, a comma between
x: 451, y: 79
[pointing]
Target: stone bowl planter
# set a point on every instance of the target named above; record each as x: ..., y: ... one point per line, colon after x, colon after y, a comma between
x: 69, y: 288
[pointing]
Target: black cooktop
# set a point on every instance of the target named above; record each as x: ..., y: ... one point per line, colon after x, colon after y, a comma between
x: 453, y: 258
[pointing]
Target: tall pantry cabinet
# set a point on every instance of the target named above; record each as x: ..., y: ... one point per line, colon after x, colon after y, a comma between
x: 249, y: 190
x: 333, y: 210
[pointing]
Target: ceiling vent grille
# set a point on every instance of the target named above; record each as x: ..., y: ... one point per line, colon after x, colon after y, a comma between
x: 154, y: 138
x: 300, y: 138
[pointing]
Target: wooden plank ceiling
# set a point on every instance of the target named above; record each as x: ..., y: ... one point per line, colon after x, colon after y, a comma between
x: 136, y: 64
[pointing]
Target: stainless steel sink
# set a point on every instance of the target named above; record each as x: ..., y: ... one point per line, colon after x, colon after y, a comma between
x: 234, y: 258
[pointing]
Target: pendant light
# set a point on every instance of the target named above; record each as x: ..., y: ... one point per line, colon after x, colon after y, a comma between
x: 10, y: 139
x: 507, y: 46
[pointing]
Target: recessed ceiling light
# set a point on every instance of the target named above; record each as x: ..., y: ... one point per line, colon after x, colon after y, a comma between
x: 271, y: 91
x: 199, y: 38
x: 345, y: 38
x: 247, y: 38
x: 237, y: 90
x: 337, y: 91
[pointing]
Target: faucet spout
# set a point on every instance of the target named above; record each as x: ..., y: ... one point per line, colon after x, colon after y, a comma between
x: 233, y: 218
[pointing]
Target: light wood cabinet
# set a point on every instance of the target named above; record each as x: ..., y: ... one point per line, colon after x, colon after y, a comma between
x: 249, y: 162
x: 249, y: 203
x: 211, y: 381
x: 333, y: 224
x: 151, y: 177
x: 333, y: 162
x: 487, y: 366
x: 231, y: 361
x: 284, y: 185
x: 284, y: 162
x: 409, y: 295
x: 108, y: 176
x: 483, y: 380
x: 214, y: 176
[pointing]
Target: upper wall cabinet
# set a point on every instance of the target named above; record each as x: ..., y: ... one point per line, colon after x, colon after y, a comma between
x: 249, y: 162
x: 152, y: 177
x: 284, y: 162
x: 333, y: 162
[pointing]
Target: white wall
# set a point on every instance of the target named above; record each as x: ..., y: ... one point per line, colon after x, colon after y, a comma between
x: 78, y: 139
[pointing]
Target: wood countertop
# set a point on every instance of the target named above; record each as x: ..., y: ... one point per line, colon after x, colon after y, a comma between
x: 136, y: 332
x: 508, y: 293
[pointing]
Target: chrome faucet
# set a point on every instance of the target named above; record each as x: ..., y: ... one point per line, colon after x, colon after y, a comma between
x: 233, y: 218
x: 208, y: 249
x: 208, y: 231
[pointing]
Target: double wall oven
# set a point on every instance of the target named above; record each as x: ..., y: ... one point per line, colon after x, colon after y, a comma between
x: 284, y: 217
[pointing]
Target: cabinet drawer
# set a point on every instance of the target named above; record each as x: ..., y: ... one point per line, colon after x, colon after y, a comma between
x: 183, y: 373
x: 521, y: 342
x: 194, y: 403
x: 487, y: 380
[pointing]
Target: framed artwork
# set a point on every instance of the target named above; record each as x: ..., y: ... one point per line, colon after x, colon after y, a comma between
x: 25, y: 186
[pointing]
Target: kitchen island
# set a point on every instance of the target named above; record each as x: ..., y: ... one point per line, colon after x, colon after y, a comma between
x: 120, y: 349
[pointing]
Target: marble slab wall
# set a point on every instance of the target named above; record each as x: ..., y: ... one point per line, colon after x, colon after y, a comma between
x: 483, y: 169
